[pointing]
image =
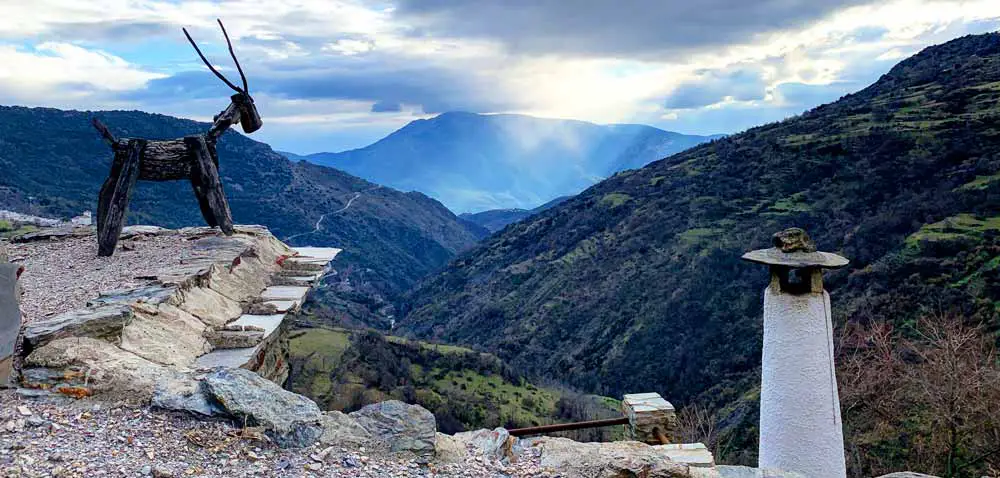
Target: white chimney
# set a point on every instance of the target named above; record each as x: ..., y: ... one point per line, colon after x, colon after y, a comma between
x: 800, y: 425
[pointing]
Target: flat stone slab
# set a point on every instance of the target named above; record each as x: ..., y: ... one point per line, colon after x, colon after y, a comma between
x: 326, y: 253
x: 103, y: 322
x: 10, y: 319
x: 285, y: 292
x: 694, y: 454
x: 283, y: 305
x: 269, y: 323
x: 646, y: 402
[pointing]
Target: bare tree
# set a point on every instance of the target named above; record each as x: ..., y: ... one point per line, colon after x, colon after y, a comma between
x: 921, y: 397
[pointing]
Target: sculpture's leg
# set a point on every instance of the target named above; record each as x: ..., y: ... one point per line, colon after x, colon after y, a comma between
x: 112, y: 202
x: 208, y: 186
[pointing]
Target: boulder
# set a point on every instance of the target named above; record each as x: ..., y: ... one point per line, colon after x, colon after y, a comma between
x: 402, y: 426
x: 341, y: 429
x: 726, y: 471
x: 495, y: 443
x: 447, y: 449
x: 290, y: 419
x: 185, y: 396
x: 606, y: 460
x: 102, y: 322
x: 107, y: 367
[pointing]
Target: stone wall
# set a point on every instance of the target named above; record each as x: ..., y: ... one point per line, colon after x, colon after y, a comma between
x: 213, y: 307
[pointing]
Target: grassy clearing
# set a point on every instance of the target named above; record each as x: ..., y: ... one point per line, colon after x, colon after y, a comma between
x: 956, y: 228
x: 613, y: 200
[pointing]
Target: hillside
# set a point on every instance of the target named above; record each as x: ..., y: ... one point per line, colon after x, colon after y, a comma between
x: 54, y: 163
x: 497, y: 219
x: 345, y: 369
x: 474, y: 162
x: 636, y: 283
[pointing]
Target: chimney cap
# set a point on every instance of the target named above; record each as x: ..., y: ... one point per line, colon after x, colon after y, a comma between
x: 794, y: 248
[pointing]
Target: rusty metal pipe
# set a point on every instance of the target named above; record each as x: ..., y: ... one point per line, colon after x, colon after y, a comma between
x: 561, y: 427
x: 660, y: 436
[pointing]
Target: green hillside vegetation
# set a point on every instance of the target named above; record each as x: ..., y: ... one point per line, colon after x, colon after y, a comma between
x: 636, y: 283
x: 346, y: 369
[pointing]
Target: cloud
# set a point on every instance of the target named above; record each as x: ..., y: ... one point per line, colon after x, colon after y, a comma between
x: 632, y: 28
x: 386, y: 107
x: 340, y: 67
x: 714, y: 86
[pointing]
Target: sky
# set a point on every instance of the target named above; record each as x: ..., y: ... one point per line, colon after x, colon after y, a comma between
x: 329, y: 75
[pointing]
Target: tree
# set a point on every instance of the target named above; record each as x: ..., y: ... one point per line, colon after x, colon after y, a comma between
x: 921, y: 397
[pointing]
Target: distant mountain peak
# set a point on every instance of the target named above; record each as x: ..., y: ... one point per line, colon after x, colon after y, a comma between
x: 477, y: 162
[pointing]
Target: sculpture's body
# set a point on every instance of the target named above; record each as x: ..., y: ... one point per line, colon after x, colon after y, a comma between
x: 191, y: 157
x: 800, y: 426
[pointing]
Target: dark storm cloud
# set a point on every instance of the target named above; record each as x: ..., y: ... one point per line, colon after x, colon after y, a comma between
x: 386, y: 107
x: 743, y: 84
x: 633, y: 28
x: 386, y: 83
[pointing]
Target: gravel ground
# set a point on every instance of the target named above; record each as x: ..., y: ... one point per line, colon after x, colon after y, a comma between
x: 62, y: 275
x: 86, y: 438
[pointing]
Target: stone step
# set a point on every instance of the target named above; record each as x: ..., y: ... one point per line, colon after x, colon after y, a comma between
x: 238, y: 357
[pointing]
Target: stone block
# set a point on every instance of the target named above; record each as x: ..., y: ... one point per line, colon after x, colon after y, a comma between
x: 10, y: 320
x: 102, y: 322
x: 649, y: 415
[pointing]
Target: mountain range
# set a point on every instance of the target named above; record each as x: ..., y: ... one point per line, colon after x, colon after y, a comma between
x: 497, y: 219
x: 472, y: 162
x: 54, y: 162
x: 636, y: 284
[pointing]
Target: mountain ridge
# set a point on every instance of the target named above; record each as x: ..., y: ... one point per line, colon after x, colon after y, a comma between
x: 472, y: 162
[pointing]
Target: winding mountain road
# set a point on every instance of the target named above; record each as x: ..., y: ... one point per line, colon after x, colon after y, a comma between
x: 319, y: 223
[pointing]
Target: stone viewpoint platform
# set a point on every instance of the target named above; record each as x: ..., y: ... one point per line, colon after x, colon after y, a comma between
x: 168, y: 307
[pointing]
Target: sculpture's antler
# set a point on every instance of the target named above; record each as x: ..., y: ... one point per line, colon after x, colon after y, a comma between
x: 209, y: 65
x: 246, y: 90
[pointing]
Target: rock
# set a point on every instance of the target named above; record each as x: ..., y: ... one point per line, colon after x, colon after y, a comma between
x: 694, y: 454
x: 10, y: 319
x: 402, y: 426
x: 447, y: 449
x: 606, y: 460
x: 340, y: 429
x: 161, y: 471
x: 793, y: 239
x: 727, y: 471
x: 168, y: 336
x: 234, y: 339
x: 108, y: 368
x: 212, y: 308
x: 496, y: 443
x: 185, y: 396
x: 36, y: 421
x: 102, y: 322
x: 907, y: 474
x: 290, y: 419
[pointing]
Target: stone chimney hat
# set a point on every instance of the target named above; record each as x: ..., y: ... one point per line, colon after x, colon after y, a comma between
x: 794, y: 248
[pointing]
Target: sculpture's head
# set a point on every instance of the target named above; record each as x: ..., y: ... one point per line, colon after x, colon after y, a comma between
x: 249, y: 118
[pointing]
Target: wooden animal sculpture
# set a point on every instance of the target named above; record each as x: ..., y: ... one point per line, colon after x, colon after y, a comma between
x: 191, y: 157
